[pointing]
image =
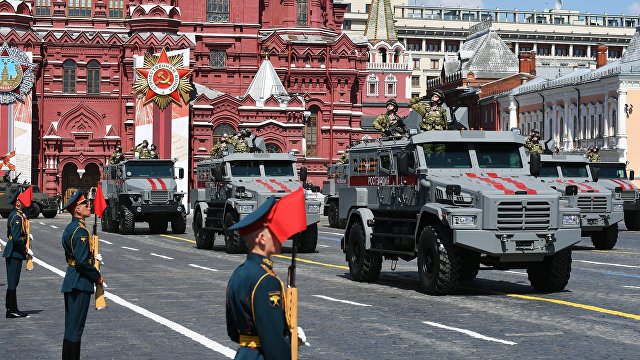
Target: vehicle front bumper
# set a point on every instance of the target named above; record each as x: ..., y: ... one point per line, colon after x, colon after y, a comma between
x: 157, y: 209
x: 597, y: 221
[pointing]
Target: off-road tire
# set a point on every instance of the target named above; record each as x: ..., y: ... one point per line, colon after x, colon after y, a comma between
x: 553, y: 273
x: 605, y: 239
x: 364, y: 265
x: 179, y: 223
x: 33, y: 211
x: 332, y: 215
x: 308, y: 239
x: 438, y: 261
x: 158, y: 226
x: 127, y: 222
x: 632, y: 220
x: 232, y: 240
x: 50, y: 214
x: 204, y: 238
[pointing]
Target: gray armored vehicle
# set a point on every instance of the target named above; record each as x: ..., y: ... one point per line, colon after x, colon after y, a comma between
x: 600, y: 208
x: 42, y: 203
x: 613, y: 176
x: 455, y: 200
x: 337, y: 176
x: 143, y: 190
x: 232, y: 186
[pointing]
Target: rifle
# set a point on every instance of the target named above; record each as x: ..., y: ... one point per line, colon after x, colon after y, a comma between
x: 101, y: 302
x: 291, y: 299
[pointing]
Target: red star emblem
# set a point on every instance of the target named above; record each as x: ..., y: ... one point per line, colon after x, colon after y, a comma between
x: 163, y: 82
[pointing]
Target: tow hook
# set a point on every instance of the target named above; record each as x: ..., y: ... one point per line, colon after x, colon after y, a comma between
x: 550, y: 238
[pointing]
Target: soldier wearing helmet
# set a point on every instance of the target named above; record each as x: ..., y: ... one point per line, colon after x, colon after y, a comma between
x: 117, y: 156
x: 219, y: 148
x: 241, y: 145
x: 154, y: 152
x: 593, y: 154
x: 389, y: 123
x: 533, y: 142
x: 434, y: 115
x: 143, y: 150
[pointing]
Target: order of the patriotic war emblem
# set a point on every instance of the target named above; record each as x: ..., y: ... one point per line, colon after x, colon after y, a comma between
x: 163, y: 80
x: 16, y: 74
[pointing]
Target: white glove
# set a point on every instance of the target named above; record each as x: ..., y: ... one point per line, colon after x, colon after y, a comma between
x: 99, y: 258
x: 104, y: 285
x: 29, y: 252
x: 31, y: 237
x: 302, y: 337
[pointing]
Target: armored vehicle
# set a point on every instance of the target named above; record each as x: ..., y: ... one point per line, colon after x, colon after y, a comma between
x: 613, y: 176
x: 41, y: 203
x: 232, y: 186
x: 600, y: 208
x: 143, y: 191
x: 337, y: 175
x: 455, y: 200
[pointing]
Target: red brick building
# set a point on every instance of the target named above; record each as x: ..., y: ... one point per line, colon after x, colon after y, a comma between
x: 85, y: 52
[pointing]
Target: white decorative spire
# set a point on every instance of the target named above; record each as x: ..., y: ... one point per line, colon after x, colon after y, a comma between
x: 265, y: 84
x: 380, y: 24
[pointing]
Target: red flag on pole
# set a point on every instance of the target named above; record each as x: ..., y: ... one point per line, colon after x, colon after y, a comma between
x: 99, y: 204
x: 26, y: 196
x: 288, y: 216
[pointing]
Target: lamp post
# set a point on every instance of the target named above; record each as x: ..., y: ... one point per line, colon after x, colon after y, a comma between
x: 81, y: 172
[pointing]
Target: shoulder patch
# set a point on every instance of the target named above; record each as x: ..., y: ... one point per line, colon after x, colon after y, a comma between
x: 83, y: 238
x: 274, y: 298
x: 268, y: 262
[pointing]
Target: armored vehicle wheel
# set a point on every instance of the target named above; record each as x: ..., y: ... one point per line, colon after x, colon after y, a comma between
x: 363, y: 265
x: 127, y: 223
x: 308, y: 239
x: 158, y: 226
x: 108, y: 225
x: 438, y: 261
x: 33, y: 211
x: 5, y: 214
x: 179, y: 223
x: 334, y: 220
x: 605, y: 239
x: 469, y: 271
x: 50, y: 214
x: 204, y: 238
x: 632, y: 220
x: 553, y: 273
x: 232, y: 241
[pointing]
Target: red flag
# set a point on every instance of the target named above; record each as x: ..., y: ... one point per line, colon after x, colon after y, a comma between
x: 26, y: 196
x: 288, y: 216
x: 99, y: 204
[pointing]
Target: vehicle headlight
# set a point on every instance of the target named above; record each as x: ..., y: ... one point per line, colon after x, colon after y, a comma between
x: 463, y: 220
x: 570, y: 219
x: 618, y: 207
x: 245, y: 209
x: 313, y: 208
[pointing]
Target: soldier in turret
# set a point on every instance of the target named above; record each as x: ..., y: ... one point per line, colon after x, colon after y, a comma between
x: 143, y: 150
x: 219, y: 148
x: 389, y: 123
x: 593, y: 154
x: 344, y: 158
x: 434, y: 115
x: 154, y: 152
x: 117, y: 156
x: 533, y: 142
x: 241, y: 144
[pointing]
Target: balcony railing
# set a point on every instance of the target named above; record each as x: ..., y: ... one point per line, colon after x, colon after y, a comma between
x: 389, y: 66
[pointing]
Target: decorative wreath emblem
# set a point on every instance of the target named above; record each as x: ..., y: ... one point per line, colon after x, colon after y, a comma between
x: 162, y: 80
x: 16, y: 74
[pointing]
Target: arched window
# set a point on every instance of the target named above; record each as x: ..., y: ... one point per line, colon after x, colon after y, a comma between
x: 311, y: 132
x: 222, y: 129
x: 69, y: 77
x: 93, y: 77
x: 273, y: 148
x: 390, y: 85
x: 307, y: 61
x: 383, y: 55
x: 218, y: 10
x: 372, y: 85
x: 301, y: 12
x: 396, y: 58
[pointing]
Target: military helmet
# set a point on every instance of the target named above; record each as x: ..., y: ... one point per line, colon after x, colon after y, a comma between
x: 119, y: 148
x: 439, y: 93
x: 145, y: 143
x: 153, y: 146
x: 535, y: 132
x: 392, y: 102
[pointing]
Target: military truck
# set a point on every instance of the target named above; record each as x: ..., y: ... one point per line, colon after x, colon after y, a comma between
x: 232, y: 186
x: 455, y: 200
x: 41, y: 203
x: 143, y: 191
x: 613, y: 176
x: 337, y: 175
x: 600, y: 209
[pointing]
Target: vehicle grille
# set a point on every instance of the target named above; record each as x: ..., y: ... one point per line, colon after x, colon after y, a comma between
x: 523, y: 215
x: 628, y: 195
x: 592, y: 204
x: 159, y: 196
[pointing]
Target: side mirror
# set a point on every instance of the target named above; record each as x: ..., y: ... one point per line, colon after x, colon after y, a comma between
x: 180, y: 173
x: 595, y: 174
x: 534, y: 164
x: 632, y: 174
x: 402, y: 161
x: 217, y: 174
x: 303, y: 174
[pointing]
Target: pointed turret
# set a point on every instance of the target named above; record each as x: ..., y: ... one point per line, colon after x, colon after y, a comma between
x: 380, y: 24
x: 265, y: 84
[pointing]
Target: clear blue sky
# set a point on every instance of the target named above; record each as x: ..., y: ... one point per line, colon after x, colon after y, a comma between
x: 594, y: 6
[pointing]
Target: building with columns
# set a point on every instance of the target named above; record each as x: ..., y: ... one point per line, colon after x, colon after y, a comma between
x: 283, y: 69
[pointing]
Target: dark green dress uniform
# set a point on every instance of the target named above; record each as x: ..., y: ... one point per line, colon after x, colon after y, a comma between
x: 78, y: 284
x: 255, y: 315
x: 14, y: 253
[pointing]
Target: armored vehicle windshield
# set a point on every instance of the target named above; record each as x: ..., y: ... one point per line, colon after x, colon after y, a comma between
x: 450, y: 156
x: 156, y: 169
x: 498, y: 156
x: 549, y: 170
x: 574, y: 170
x: 251, y: 168
x: 616, y: 171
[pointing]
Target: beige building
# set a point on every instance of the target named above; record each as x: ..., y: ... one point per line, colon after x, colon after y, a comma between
x: 558, y: 37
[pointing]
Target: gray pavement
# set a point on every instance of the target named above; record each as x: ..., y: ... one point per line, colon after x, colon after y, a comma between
x: 167, y: 301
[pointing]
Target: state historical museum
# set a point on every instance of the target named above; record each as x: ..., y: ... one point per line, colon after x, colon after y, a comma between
x: 281, y: 68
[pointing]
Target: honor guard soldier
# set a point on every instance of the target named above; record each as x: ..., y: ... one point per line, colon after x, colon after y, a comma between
x: 78, y: 284
x: 117, y: 156
x: 533, y: 142
x: 154, y: 152
x: 16, y: 251
x: 389, y: 123
x: 255, y: 294
x: 434, y: 115
x: 143, y: 150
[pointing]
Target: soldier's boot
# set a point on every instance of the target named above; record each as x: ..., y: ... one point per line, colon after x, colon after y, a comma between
x: 70, y: 350
x: 12, y: 306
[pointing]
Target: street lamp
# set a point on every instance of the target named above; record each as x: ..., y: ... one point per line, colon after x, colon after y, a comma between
x: 81, y: 172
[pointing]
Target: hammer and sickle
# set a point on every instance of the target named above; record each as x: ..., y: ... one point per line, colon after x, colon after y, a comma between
x: 162, y: 78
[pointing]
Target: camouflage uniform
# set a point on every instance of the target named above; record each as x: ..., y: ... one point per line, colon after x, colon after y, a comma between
x: 593, y: 156
x: 116, y: 156
x: 344, y: 158
x: 219, y: 148
x: 387, y: 122
x: 433, y: 117
x: 241, y: 145
x: 143, y: 150
x: 534, y: 146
